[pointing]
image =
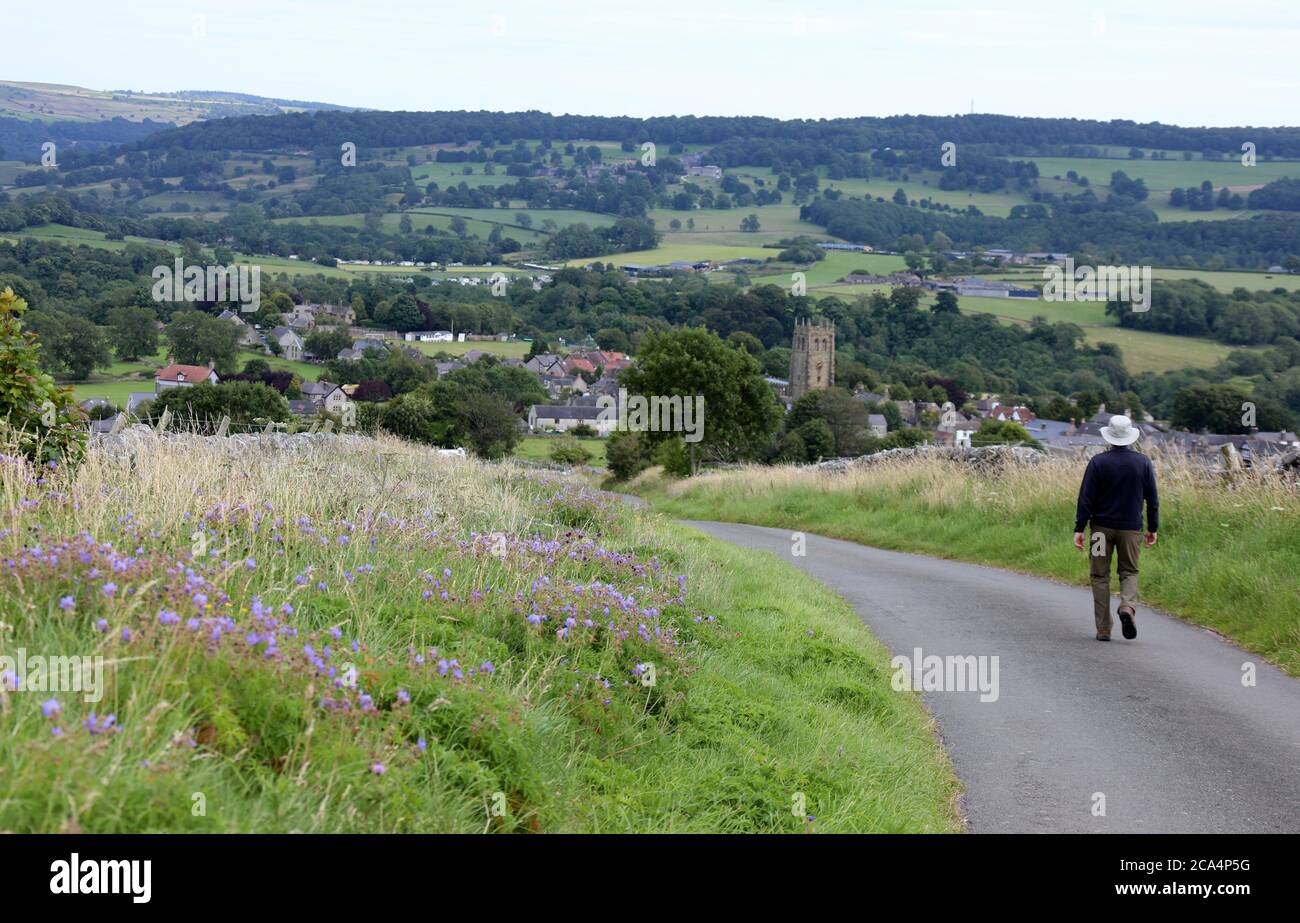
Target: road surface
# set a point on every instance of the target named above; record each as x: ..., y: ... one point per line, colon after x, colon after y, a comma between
x: 1163, y: 726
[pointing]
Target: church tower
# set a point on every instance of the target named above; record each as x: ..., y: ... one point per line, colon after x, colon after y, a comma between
x: 812, y: 358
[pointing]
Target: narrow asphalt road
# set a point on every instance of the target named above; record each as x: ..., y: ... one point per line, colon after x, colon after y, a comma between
x: 1163, y: 726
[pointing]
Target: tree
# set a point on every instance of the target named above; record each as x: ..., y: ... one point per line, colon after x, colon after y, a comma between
x: 537, y: 347
x: 568, y: 451
x: 489, y: 424
x: 71, y: 346
x: 410, y: 417
x: 749, y: 223
x: 818, y: 440
x: 372, y: 390
x: 1002, y: 432
x: 133, y: 332
x: 1215, y: 408
x: 627, y: 454
x: 516, y: 387
x: 326, y: 343
x: 613, y: 339
x: 401, y: 313
x: 945, y: 303
x: 740, y: 412
x: 203, y: 405
x: 44, y: 419
x: 846, y: 418
x: 197, y: 338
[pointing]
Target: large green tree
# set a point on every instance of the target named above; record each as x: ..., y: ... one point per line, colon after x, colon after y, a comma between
x: 740, y: 412
x: 133, y: 332
x: 196, y: 338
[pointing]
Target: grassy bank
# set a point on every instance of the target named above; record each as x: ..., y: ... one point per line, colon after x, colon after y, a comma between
x: 337, y: 634
x: 1228, y: 554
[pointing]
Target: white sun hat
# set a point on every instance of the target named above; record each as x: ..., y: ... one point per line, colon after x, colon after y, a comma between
x: 1120, y: 431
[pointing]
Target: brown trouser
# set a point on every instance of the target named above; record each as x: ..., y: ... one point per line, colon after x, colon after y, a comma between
x: 1127, y: 545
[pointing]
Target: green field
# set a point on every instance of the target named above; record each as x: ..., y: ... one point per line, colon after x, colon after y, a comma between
x: 118, y: 392
x: 537, y: 448
x: 1159, y: 352
x: 670, y: 253
x: 510, y: 349
x: 836, y: 266
x: 1163, y: 175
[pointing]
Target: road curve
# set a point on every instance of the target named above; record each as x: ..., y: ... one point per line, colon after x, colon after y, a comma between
x: 1162, y: 726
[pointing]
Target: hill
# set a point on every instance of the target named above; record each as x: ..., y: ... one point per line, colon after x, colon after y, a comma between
x: 61, y: 102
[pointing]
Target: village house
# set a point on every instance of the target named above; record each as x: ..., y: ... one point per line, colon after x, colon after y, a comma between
x: 247, y: 335
x: 546, y: 364
x: 1003, y: 414
x: 325, y: 395
x: 175, y: 375
x: 331, y: 313
x: 299, y: 320
x: 879, y: 425
x: 957, y: 433
x: 573, y: 365
x: 557, y: 387
x: 710, y: 171
x: 290, y: 343
x: 564, y: 417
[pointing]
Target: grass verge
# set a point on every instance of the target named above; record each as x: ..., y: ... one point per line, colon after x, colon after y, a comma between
x: 326, y: 634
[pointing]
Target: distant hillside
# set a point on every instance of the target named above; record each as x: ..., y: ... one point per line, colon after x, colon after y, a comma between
x: 59, y: 102
x: 32, y: 113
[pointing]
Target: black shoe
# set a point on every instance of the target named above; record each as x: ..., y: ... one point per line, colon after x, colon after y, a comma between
x: 1128, y: 627
x: 1103, y: 636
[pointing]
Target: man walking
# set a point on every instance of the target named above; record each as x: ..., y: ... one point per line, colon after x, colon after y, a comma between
x: 1115, y: 485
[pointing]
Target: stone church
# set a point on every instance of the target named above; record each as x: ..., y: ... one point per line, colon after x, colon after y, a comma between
x: 812, y: 358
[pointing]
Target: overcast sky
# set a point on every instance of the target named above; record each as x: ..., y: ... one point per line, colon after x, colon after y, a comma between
x: 1186, y: 62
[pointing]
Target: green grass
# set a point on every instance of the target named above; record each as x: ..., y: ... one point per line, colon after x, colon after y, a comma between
x: 1163, y: 175
x: 836, y: 266
x: 670, y: 253
x: 304, y: 370
x: 117, y: 392
x: 1159, y: 352
x: 771, y: 692
x: 510, y: 349
x: 1227, y: 555
x: 537, y: 448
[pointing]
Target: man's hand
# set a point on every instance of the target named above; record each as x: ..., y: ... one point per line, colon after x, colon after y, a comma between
x: 1078, y: 540
x: 1150, y: 539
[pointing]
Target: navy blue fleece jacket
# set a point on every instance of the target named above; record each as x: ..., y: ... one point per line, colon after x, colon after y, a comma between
x: 1115, y: 485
